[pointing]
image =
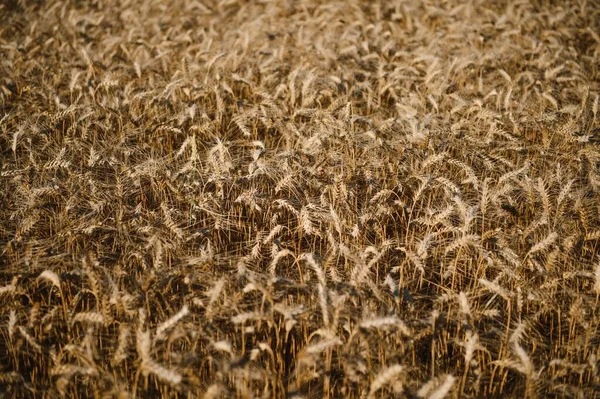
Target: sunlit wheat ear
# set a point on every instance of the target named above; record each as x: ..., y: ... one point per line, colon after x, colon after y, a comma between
x: 213, y: 296
x: 281, y: 203
x: 272, y: 268
x: 292, y: 85
x: 306, y: 223
x: 385, y: 377
x: 51, y: 277
x: 223, y: 346
x: 471, y: 344
x: 120, y: 353
x: 597, y: 280
x: 541, y: 188
x: 166, y: 375
x: 496, y: 289
x: 30, y: 339
x: 595, y: 106
x: 319, y: 348
x: 170, y: 323
x: 274, y: 232
x: 465, y: 240
x: 289, y: 314
x: 241, y: 266
x: 15, y: 138
x: 414, y: 258
x: 425, y: 181
x: 89, y: 318
x: 392, y: 286
x: 322, y: 287
x: 464, y: 304
x: 240, y: 121
x: 69, y: 370
x: 563, y: 194
x: 427, y: 391
x: 527, y: 367
x: 337, y: 222
x: 65, y: 374
x: 386, y: 322
x: 169, y: 222
x: 10, y: 288
x: 512, y: 174
x: 472, y: 177
x: 148, y: 365
x: 544, y: 244
x: 190, y: 141
x: 242, y: 318
x: 309, y: 258
x: 34, y: 314
x: 143, y: 344
x: 12, y: 322
x: 214, y: 391
x: 433, y: 160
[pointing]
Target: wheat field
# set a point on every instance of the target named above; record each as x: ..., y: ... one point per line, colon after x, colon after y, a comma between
x: 299, y: 199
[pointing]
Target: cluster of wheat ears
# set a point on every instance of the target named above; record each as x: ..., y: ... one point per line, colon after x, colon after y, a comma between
x: 303, y: 199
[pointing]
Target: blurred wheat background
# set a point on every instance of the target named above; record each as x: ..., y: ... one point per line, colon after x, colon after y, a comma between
x: 302, y: 199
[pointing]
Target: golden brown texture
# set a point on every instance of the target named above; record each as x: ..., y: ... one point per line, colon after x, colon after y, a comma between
x: 299, y: 199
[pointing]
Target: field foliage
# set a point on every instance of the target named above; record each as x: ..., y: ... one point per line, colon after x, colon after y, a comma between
x: 303, y: 199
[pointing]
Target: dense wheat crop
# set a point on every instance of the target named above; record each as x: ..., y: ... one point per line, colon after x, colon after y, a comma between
x: 303, y: 199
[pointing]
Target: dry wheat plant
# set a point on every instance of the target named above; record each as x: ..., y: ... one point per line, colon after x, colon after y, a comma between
x: 301, y: 199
